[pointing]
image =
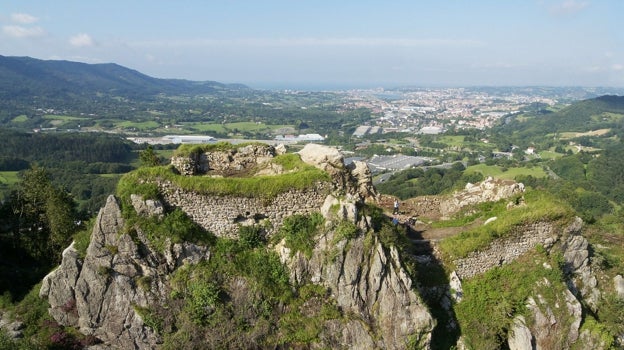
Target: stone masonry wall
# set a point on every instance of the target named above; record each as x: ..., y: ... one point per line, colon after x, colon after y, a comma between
x: 425, y: 206
x: 222, y: 215
x: 503, y: 251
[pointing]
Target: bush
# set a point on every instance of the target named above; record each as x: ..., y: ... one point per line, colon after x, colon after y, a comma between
x: 493, y: 299
x: 345, y: 230
x: 299, y: 232
x: 175, y: 226
x: 251, y: 236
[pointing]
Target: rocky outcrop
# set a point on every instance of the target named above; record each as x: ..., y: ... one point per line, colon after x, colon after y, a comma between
x: 100, y: 294
x: 354, y: 179
x: 555, y: 325
x: 618, y: 283
x: 583, y: 281
x: 109, y: 292
x: 520, y: 337
x: 13, y: 329
x: 367, y: 281
x: 489, y: 190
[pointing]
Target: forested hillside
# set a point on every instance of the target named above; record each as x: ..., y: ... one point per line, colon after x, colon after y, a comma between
x: 29, y: 79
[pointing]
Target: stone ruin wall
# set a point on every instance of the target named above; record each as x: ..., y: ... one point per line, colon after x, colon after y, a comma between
x: 426, y: 206
x: 505, y: 250
x: 222, y: 215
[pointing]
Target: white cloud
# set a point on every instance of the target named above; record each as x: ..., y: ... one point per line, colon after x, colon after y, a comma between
x: 23, y: 32
x: 617, y: 67
x: 23, y: 18
x: 81, y: 40
x: 568, y: 7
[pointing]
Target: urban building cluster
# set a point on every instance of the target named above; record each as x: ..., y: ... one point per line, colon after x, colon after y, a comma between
x: 433, y: 111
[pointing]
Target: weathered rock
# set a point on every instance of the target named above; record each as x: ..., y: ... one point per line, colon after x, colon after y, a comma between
x: 225, y: 162
x: 520, y: 337
x: 367, y: 281
x: 280, y: 149
x: 576, y: 254
x: 489, y: 190
x: 99, y: 294
x: 455, y: 285
x: 618, y: 283
x: 13, y: 329
x: 323, y: 157
x: 147, y: 207
x: 363, y: 178
x: 554, y: 328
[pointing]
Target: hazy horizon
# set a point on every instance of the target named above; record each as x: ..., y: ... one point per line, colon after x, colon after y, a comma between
x: 350, y: 43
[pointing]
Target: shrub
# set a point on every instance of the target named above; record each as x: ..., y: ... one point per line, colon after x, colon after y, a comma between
x: 299, y: 232
x: 149, y: 318
x: 175, y: 226
x: 202, y: 300
x: 251, y: 236
x: 145, y: 283
x: 493, y: 299
x: 82, y: 239
x: 345, y: 230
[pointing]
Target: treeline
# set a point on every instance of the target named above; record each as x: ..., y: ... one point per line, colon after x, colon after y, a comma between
x: 542, y: 128
x: 432, y: 181
x: 592, y: 183
x: 64, y: 147
x: 74, y: 161
x: 37, y: 222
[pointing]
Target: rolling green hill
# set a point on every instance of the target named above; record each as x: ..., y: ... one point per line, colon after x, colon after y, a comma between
x: 596, y: 122
x: 25, y: 77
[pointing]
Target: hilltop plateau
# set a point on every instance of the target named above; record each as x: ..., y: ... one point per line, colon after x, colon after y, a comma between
x: 251, y: 247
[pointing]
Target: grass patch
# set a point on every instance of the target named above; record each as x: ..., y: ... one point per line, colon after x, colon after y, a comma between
x: 540, y: 206
x: 175, y: 226
x: 63, y: 117
x: 20, y: 118
x: 189, y: 149
x: 492, y: 300
x: 498, y: 172
x: 451, y: 141
x: 142, y: 181
x: 482, y: 210
x: 234, y: 127
x: 299, y: 232
x: 142, y: 126
x: 9, y: 178
x: 547, y: 155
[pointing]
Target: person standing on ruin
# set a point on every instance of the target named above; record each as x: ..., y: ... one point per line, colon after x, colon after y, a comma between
x: 396, y: 207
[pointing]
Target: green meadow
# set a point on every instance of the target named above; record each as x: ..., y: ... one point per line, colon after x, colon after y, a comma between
x: 499, y: 172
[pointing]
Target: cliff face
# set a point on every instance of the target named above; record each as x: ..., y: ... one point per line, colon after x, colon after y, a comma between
x: 367, y: 280
x: 101, y: 293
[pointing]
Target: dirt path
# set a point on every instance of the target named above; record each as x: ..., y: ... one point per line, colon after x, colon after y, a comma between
x: 420, y: 230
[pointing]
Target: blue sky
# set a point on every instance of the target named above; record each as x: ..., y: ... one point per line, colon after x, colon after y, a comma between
x: 301, y: 43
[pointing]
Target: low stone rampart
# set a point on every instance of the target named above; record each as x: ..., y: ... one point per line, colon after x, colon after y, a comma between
x: 222, y: 215
x: 505, y: 250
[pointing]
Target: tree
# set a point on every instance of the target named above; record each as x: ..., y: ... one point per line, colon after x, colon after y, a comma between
x: 149, y: 157
x: 43, y: 216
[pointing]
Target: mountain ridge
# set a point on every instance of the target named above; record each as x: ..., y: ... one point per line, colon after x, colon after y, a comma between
x: 58, y: 78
